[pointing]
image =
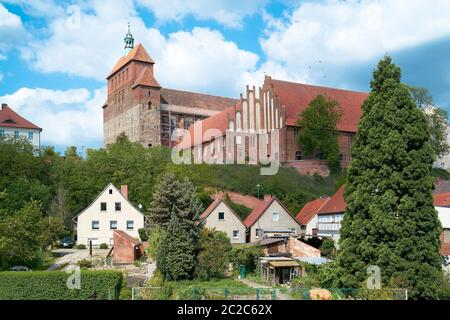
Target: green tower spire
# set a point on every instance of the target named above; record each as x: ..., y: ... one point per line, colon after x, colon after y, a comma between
x: 129, y: 41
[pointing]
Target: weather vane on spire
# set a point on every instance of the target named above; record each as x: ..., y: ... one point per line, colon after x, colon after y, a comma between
x: 129, y: 41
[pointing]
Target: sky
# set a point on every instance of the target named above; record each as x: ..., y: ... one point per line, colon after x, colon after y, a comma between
x: 55, y: 55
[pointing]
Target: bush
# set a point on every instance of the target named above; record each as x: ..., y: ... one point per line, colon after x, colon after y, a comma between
x: 143, y: 235
x: 43, y: 285
x: 81, y: 246
x: 246, y: 255
x: 155, y: 237
x: 103, y: 246
x: 85, y: 263
x: 214, y: 256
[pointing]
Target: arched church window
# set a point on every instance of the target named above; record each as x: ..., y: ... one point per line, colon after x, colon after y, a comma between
x: 231, y: 126
x: 238, y: 121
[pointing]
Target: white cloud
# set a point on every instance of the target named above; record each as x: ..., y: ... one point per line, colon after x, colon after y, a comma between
x: 70, y: 117
x: 12, y: 31
x: 38, y: 8
x: 229, y: 13
x: 332, y: 32
x: 202, y: 59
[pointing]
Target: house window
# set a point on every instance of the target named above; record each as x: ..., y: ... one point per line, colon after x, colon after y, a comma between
x: 298, y: 155
x: 118, y: 206
x: 16, y: 134
x: 221, y: 216
x: 314, y: 231
x: 292, y: 230
x: 30, y: 135
x: 275, y: 216
x: 103, y: 206
x: 113, y: 224
x: 95, y: 225
x: 235, y: 234
x: 110, y: 191
x: 130, y: 224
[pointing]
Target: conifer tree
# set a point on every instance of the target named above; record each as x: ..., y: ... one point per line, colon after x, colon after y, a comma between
x: 390, y: 220
x: 188, y: 209
x: 165, y: 199
x: 176, y: 252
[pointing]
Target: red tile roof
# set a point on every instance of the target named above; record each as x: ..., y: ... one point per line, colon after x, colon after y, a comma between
x: 212, y: 206
x: 206, y: 130
x: 336, y: 204
x: 442, y: 200
x: 126, y: 236
x: 138, y: 54
x: 145, y: 78
x: 310, y: 210
x: 9, y: 118
x: 297, y: 96
x: 196, y: 100
x: 258, y: 211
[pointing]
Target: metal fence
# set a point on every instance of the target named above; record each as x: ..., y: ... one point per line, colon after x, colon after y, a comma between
x: 163, y: 293
x: 348, y: 294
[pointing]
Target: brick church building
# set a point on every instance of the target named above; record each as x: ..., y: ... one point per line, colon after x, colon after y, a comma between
x: 236, y: 132
x: 138, y: 106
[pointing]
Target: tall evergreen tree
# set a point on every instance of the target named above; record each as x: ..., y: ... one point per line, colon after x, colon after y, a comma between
x: 390, y: 220
x: 176, y: 252
x: 165, y: 199
x: 188, y: 209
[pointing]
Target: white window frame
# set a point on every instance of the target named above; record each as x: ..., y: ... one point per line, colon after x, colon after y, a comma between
x: 275, y: 214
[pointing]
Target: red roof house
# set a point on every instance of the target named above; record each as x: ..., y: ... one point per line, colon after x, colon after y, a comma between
x: 11, y: 119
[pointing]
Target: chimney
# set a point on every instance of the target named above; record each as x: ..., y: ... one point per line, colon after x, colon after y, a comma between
x: 124, y: 191
x: 267, y: 197
x: 4, y: 105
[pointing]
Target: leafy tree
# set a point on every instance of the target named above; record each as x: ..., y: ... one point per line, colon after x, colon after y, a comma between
x: 327, y: 248
x: 176, y: 252
x: 24, y: 234
x: 390, y: 220
x: 246, y: 256
x: 156, y: 235
x: 214, y: 256
x: 318, y: 130
x: 437, y: 120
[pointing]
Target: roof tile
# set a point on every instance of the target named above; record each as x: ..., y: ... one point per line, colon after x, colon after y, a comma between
x: 310, y: 210
x: 9, y: 118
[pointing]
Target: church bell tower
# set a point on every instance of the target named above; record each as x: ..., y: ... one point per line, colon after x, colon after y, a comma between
x: 129, y: 41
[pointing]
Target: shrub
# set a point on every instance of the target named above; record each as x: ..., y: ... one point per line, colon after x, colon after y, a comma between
x: 246, y: 255
x: 85, y: 263
x: 214, y: 256
x: 155, y: 237
x: 103, y: 246
x: 81, y: 246
x: 143, y: 235
x: 43, y: 285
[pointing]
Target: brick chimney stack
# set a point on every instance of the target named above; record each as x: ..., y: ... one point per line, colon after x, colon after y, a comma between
x: 124, y: 191
x: 4, y: 105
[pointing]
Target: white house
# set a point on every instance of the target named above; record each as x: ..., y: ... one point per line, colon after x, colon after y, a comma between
x: 221, y: 217
x: 272, y: 219
x: 110, y: 211
x: 14, y: 125
x: 307, y: 216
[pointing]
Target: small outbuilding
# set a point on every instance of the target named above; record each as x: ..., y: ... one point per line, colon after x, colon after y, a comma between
x: 126, y: 249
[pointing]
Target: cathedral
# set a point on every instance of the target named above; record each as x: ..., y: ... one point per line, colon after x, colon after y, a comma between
x: 259, y: 127
x: 145, y: 112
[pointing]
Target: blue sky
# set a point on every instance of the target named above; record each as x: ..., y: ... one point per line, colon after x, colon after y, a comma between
x: 54, y: 55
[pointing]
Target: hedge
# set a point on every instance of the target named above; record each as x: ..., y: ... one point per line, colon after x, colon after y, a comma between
x: 51, y: 285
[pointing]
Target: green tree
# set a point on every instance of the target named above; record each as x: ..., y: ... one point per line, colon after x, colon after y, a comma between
x: 23, y: 235
x: 318, y: 130
x: 176, y: 252
x: 327, y: 248
x: 390, y: 220
x: 437, y: 120
x: 165, y: 198
x: 214, y: 256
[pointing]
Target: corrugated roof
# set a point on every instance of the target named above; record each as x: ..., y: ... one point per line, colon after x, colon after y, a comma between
x: 310, y: 210
x: 9, y: 118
